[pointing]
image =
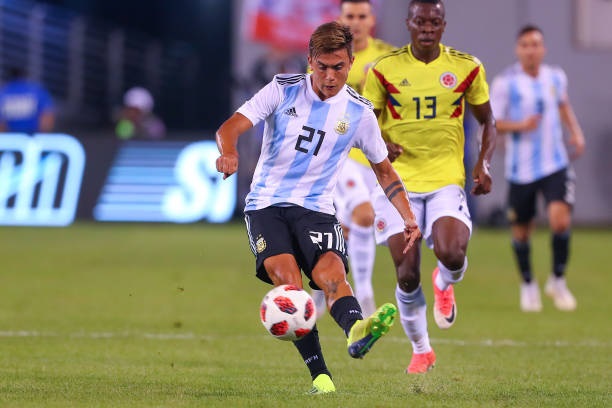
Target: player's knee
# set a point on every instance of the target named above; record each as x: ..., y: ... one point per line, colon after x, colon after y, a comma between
x: 283, y: 270
x: 453, y: 262
x: 560, y: 224
x: 559, y: 214
x: 329, y: 270
x: 408, y: 277
x: 284, y: 277
x: 451, y: 256
x: 521, y: 235
x: 363, y: 215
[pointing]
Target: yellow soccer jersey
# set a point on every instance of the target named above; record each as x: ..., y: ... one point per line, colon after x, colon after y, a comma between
x: 356, y: 78
x: 364, y: 60
x: 422, y: 107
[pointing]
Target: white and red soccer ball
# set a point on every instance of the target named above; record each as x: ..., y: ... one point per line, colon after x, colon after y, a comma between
x: 288, y: 312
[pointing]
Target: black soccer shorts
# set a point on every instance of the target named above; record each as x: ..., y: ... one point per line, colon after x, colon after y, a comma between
x: 295, y: 230
x: 522, y: 198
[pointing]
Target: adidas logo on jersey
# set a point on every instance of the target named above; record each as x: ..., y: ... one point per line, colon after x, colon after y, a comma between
x: 404, y: 82
x: 291, y: 112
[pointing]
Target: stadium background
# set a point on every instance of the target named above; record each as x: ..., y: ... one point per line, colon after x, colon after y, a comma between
x: 202, y: 58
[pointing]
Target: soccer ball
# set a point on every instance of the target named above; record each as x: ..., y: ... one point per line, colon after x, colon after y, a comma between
x: 288, y: 312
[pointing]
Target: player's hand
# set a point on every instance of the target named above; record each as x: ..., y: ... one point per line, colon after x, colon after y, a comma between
x: 227, y: 164
x: 576, y: 143
x: 412, y: 233
x: 531, y: 123
x: 482, y: 179
x: 394, y: 151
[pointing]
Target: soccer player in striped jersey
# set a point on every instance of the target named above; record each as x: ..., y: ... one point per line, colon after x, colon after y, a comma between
x: 420, y: 92
x: 531, y: 105
x: 356, y: 181
x: 311, y: 123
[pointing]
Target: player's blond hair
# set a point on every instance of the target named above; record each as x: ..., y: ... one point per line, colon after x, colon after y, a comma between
x: 330, y: 37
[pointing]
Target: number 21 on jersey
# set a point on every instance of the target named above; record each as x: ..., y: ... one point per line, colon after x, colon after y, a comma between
x: 308, y: 138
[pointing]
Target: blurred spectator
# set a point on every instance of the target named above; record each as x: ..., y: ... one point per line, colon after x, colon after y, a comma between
x: 136, y: 119
x: 276, y: 61
x: 25, y: 106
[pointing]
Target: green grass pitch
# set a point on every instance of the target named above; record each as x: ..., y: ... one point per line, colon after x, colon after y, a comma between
x: 108, y: 315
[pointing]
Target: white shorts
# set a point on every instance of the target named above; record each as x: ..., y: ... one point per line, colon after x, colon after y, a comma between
x: 427, y: 208
x: 356, y: 184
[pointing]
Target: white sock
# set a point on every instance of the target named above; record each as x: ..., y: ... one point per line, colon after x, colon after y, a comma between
x: 446, y: 277
x: 361, y: 249
x: 318, y: 296
x: 412, y: 309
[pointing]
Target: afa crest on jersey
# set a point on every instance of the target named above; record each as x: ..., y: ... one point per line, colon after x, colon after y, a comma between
x: 342, y: 126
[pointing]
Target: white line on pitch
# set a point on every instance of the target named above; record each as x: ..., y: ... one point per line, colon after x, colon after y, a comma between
x: 194, y: 336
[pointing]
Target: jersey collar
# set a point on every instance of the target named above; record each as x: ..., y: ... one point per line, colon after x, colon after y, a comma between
x: 442, y: 51
x: 314, y: 95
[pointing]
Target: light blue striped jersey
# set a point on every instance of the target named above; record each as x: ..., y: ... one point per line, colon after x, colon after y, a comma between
x: 515, y: 95
x: 306, y: 141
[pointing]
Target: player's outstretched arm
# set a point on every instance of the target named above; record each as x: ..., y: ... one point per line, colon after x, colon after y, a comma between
x: 576, y: 139
x: 481, y: 175
x: 227, y: 142
x: 395, y: 191
x: 526, y: 125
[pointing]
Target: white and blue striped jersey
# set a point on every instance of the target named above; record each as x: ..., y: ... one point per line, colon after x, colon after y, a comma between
x: 306, y: 141
x: 515, y: 95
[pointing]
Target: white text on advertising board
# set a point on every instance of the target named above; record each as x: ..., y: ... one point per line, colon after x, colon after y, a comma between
x: 40, y: 179
x: 166, y: 182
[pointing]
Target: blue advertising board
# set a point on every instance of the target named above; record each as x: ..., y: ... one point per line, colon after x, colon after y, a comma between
x: 45, y: 178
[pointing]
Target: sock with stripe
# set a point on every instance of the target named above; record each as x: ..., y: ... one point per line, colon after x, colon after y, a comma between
x: 412, y: 309
x: 447, y: 277
x: 361, y: 249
